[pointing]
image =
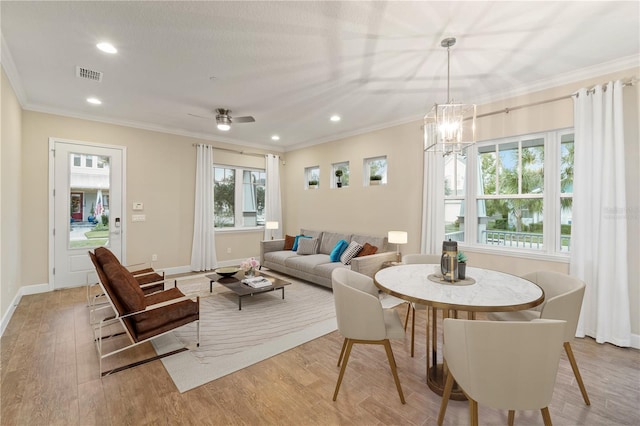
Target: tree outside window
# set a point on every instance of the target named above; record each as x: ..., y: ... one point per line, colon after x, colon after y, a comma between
x: 511, y: 201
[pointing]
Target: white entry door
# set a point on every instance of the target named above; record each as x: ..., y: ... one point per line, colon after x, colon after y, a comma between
x: 87, y: 197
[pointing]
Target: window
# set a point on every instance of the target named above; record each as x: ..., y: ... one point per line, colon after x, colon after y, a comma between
x: 77, y: 160
x: 88, y: 161
x: 239, y: 196
x: 516, y: 181
x: 342, y: 169
x: 375, y: 171
x: 312, y: 177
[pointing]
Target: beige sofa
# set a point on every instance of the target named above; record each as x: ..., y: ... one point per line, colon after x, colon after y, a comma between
x: 317, y: 268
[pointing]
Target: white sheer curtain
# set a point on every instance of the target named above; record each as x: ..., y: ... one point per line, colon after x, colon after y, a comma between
x: 599, y: 224
x: 203, y: 249
x: 432, y: 203
x: 273, y: 205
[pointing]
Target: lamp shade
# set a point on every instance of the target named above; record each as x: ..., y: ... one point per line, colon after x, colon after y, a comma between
x: 271, y: 225
x: 397, y: 237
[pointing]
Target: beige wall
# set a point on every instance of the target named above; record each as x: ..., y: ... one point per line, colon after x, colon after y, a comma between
x: 10, y: 211
x: 397, y: 206
x: 160, y: 173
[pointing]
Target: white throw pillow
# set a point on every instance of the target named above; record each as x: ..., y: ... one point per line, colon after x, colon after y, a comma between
x: 350, y: 252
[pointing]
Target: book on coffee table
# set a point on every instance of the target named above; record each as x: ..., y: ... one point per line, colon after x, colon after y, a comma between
x: 257, y: 282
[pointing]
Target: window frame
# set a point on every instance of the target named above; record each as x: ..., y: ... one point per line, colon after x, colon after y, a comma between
x: 551, y: 199
x: 366, y: 167
x: 239, y: 207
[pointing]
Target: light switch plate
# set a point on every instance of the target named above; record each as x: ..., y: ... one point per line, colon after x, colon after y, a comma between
x: 138, y: 218
x: 138, y: 206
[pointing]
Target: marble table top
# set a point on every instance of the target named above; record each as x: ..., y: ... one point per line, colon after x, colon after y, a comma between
x: 493, y: 291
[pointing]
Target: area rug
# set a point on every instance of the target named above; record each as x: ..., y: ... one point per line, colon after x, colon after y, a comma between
x: 232, y: 339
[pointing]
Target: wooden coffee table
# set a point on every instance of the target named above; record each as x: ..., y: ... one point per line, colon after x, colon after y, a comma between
x: 235, y: 284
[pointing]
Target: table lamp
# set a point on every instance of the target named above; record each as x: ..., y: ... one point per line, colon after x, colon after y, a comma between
x: 271, y: 225
x: 397, y: 238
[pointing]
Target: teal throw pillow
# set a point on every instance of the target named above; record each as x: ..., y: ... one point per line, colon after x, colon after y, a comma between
x: 295, y: 243
x: 337, y: 250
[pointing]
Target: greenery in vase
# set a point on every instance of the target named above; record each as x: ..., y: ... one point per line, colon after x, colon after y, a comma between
x: 375, y: 177
x: 462, y: 258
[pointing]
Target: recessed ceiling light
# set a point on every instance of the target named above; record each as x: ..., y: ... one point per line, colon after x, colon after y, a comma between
x: 107, y: 47
x: 94, y: 101
x: 275, y: 138
x: 335, y: 118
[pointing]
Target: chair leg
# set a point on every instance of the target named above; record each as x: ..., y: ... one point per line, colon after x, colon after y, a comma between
x: 413, y: 330
x: 406, y: 318
x: 576, y: 372
x: 512, y: 416
x: 349, y: 344
x: 473, y: 412
x: 448, y: 386
x: 344, y: 345
x: 392, y: 364
x: 546, y: 416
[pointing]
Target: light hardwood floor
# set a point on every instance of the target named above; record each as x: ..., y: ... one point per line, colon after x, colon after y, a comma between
x: 49, y: 375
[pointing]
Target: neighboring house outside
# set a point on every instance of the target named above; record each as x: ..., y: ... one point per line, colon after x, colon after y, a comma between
x: 89, y: 187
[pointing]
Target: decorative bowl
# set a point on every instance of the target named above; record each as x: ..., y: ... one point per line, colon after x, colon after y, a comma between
x: 227, y: 271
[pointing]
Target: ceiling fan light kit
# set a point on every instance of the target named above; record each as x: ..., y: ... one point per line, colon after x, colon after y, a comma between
x: 224, y: 120
x: 451, y: 127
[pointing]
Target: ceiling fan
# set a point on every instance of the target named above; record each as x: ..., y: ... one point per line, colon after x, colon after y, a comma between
x: 224, y: 120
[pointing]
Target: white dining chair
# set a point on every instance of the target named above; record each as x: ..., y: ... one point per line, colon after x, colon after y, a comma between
x: 361, y: 319
x: 506, y: 365
x: 413, y: 307
x: 563, y: 301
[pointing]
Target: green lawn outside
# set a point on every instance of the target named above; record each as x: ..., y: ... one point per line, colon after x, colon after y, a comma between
x: 94, y: 242
x: 97, y: 234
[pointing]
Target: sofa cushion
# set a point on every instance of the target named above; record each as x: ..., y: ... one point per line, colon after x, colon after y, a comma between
x: 340, y: 247
x: 288, y: 242
x: 380, y: 242
x: 351, y: 251
x: 308, y: 246
x: 324, y: 270
x: 367, y: 249
x: 329, y: 241
x: 306, y: 263
x: 296, y: 241
x: 279, y: 257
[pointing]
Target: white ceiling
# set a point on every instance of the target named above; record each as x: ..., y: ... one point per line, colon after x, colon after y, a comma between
x: 292, y: 65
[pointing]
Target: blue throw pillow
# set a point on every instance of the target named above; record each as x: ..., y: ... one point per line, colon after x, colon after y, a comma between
x: 337, y: 250
x: 295, y: 243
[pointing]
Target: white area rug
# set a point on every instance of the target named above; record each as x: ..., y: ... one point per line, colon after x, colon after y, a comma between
x: 231, y: 339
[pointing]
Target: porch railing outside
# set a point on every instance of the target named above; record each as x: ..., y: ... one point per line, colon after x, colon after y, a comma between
x: 510, y: 238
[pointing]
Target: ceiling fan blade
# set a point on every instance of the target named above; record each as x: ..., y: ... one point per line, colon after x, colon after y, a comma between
x: 247, y: 119
x: 199, y: 116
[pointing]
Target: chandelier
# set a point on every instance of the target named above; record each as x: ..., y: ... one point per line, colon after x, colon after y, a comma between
x: 451, y: 127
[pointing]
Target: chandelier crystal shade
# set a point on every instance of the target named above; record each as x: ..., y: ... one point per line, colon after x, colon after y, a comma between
x: 451, y: 127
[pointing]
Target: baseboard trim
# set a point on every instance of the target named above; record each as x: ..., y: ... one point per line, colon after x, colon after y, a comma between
x: 22, y: 291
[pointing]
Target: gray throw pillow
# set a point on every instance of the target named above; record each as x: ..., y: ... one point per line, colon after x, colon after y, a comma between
x: 307, y: 246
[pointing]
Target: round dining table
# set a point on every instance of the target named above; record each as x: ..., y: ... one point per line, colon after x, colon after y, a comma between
x: 482, y: 290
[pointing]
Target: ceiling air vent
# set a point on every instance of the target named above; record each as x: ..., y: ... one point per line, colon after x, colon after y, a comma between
x: 89, y: 74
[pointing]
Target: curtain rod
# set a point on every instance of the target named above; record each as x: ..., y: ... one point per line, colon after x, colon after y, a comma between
x: 254, y: 154
x: 507, y: 110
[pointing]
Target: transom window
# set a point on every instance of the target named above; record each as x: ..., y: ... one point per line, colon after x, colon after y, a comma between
x: 517, y: 183
x: 238, y: 197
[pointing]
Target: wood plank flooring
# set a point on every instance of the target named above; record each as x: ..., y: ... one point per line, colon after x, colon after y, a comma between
x: 49, y: 376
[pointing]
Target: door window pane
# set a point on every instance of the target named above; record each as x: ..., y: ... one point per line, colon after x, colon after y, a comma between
x: 89, y: 213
